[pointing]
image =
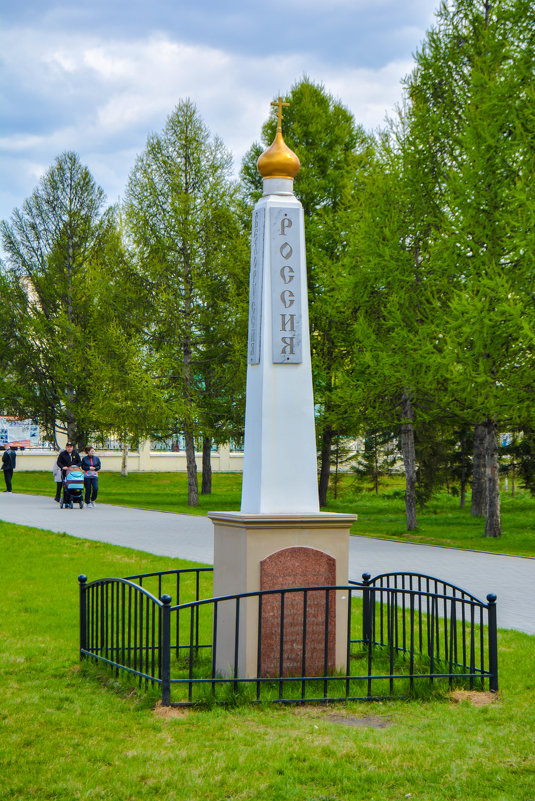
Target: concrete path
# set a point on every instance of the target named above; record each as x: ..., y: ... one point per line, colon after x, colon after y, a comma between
x: 190, y: 537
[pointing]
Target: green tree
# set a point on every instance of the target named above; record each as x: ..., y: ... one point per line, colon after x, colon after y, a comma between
x: 474, y: 78
x: 124, y: 396
x: 334, y: 155
x: 377, y: 459
x: 450, y: 254
x: 54, y: 247
x: 183, y: 220
x: 388, y: 292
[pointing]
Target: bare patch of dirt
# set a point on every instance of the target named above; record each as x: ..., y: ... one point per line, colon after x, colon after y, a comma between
x: 326, y: 713
x: 475, y: 698
x: 170, y: 711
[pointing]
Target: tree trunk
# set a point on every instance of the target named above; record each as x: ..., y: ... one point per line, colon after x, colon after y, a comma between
x: 336, y: 469
x: 513, y: 465
x: 124, y: 460
x: 493, y: 523
x: 376, y: 465
x: 193, y: 489
x: 325, y: 469
x: 71, y: 425
x: 55, y: 438
x: 464, y: 469
x: 478, y: 472
x: 512, y: 479
x: 71, y: 429
x: 409, y: 460
x: 206, y: 485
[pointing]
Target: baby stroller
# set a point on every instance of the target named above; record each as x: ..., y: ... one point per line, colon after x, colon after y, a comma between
x: 73, y: 488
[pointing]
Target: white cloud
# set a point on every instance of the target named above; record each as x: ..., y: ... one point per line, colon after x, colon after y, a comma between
x: 60, y: 61
x: 20, y: 142
x: 370, y: 94
x: 102, y: 97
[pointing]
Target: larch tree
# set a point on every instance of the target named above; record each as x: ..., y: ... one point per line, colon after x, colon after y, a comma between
x: 388, y: 287
x: 448, y: 240
x: 183, y: 222
x: 474, y: 78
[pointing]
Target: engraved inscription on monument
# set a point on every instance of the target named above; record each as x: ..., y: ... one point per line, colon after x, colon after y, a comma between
x: 255, y: 285
x: 286, y: 286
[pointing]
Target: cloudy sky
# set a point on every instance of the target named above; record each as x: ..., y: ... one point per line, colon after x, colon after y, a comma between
x: 97, y: 76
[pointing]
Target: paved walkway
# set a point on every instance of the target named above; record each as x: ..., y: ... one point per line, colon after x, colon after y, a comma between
x: 190, y: 537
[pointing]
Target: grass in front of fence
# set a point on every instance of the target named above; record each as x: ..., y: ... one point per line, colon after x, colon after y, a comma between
x: 68, y: 734
x: 440, y: 523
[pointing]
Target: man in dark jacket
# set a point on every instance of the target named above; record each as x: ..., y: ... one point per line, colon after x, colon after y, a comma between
x: 69, y: 457
x: 66, y: 459
x: 9, y: 461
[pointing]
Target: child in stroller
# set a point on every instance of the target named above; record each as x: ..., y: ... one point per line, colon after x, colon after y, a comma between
x: 73, y: 488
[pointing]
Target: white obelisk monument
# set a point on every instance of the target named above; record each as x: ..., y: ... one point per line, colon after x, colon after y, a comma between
x: 279, y: 473
x: 280, y: 538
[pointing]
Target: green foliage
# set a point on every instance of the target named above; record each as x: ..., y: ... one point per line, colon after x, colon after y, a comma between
x: 473, y: 87
x: 445, y: 232
x: 437, y: 458
x: 377, y: 459
x: 183, y: 221
x: 420, y: 250
x: 54, y: 246
x: 341, y: 455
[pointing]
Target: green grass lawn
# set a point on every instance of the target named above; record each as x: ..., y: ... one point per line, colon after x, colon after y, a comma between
x: 68, y: 734
x: 442, y: 522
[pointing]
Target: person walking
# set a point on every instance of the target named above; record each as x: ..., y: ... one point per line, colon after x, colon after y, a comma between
x: 58, y: 478
x: 9, y: 462
x: 66, y: 459
x: 90, y: 465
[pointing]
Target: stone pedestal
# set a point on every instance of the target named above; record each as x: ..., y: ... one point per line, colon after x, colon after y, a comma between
x: 269, y: 551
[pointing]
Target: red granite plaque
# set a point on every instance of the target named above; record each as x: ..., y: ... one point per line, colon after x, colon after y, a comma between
x: 308, y: 641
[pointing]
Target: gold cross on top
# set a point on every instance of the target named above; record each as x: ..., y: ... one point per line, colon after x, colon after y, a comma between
x: 280, y: 103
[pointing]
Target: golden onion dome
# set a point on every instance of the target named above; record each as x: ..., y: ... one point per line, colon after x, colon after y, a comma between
x: 278, y: 161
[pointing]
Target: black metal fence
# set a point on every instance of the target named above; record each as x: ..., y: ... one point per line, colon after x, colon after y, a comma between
x: 403, y: 633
